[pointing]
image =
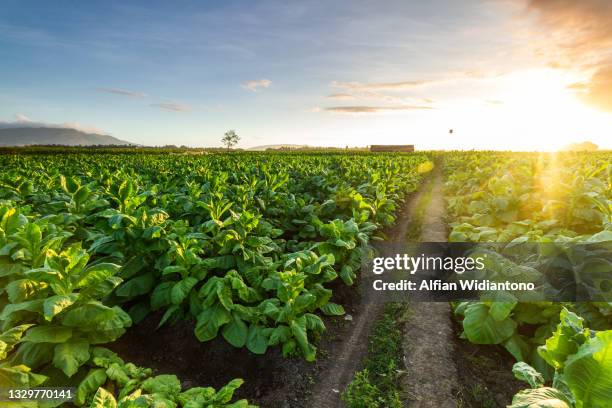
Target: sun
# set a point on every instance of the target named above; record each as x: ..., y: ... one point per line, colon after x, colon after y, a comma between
x: 544, y: 105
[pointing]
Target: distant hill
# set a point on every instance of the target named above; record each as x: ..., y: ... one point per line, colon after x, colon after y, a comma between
x: 24, y: 136
x: 278, y: 146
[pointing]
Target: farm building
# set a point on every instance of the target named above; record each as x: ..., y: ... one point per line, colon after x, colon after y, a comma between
x: 392, y: 148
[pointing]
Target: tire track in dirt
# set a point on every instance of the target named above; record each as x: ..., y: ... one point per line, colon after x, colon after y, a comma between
x: 431, y: 378
x: 342, y: 367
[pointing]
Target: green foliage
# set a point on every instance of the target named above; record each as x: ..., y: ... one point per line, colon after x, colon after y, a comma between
x: 377, y: 384
x: 582, y: 360
x: 244, y: 245
x: 512, y: 198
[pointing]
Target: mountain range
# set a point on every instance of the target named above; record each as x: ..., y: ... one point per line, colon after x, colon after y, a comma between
x: 24, y: 136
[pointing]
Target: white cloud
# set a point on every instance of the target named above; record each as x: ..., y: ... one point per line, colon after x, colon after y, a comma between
x: 21, y: 118
x: 254, y: 84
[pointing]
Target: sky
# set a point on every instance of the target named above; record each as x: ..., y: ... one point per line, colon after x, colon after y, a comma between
x: 502, y: 74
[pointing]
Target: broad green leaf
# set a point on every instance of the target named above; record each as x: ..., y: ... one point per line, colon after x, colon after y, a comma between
x: 347, y: 275
x: 481, y: 328
x: 298, y: 329
x: 103, y: 399
x: 13, y: 335
x: 314, y: 322
x: 69, y: 356
x: 209, y: 322
x: 80, y: 196
x: 278, y: 335
x: 235, y: 332
x: 181, y: 290
x: 304, y: 301
x: 96, y: 274
x: 225, y: 394
x: 588, y: 373
x: 137, y: 286
x: 48, y: 334
x: 173, y: 269
x: 56, y: 304
x: 33, y: 355
x: 257, y: 339
x: 224, y: 292
x: 90, y: 315
x: 518, y: 347
x: 168, y: 385
x: 332, y: 309
x: 101, y: 289
x: 30, y: 306
x: 45, y: 274
x: 500, y: 311
x: 527, y: 373
x: 565, y: 341
x: 24, y: 289
x: 117, y: 373
x: 19, y: 376
x: 94, y: 379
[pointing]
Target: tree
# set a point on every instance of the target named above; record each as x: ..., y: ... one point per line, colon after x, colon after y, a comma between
x: 230, y: 138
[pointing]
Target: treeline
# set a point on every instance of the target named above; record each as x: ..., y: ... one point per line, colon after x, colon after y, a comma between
x: 168, y: 149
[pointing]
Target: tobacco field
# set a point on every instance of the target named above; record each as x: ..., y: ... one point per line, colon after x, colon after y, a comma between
x: 251, y: 248
x: 245, y: 244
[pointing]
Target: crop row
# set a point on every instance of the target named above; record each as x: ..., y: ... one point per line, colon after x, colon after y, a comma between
x: 246, y: 245
x: 563, y: 200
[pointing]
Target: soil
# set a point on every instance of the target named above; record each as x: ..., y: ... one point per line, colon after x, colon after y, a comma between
x: 341, y: 366
x: 431, y: 378
x: 485, y: 375
x: 271, y: 380
x: 441, y: 369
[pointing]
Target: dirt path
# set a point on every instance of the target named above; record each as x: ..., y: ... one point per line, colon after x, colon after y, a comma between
x: 342, y: 367
x: 431, y: 378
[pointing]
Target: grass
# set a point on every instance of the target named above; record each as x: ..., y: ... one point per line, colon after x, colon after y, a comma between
x: 377, y: 385
x: 413, y: 234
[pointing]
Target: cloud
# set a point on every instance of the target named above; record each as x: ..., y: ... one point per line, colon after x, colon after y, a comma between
x: 123, y: 92
x: 21, y: 118
x: 598, y: 91
x: 392, y: 93
x: 23, y: 121
x: 341, y: 96
x: 374, y: 109
x: 254, y: 84
x: 578, y: 34
x: 576, y: 28
x: 172, y: 106
x: 381, y: 86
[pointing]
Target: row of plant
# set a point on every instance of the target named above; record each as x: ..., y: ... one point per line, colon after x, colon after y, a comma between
x: 245, y: 245
x: 557, y: 200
